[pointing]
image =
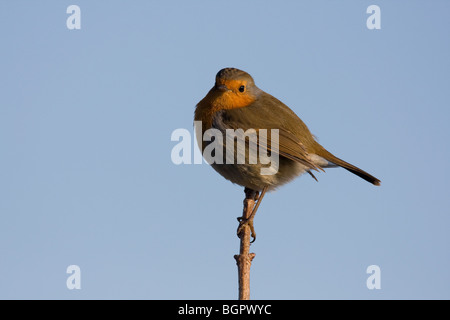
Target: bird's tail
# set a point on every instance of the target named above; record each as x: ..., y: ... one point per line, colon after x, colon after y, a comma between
x: 355, y: 170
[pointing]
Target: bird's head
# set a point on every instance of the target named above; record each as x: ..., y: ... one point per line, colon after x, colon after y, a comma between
x: 234, y: 88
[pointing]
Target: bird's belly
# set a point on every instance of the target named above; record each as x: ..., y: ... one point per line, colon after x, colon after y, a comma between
x: 249, y: 175
x: 246, y: 173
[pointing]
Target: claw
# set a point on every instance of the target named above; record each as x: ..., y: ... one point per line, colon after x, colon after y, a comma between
x: 242, y: 224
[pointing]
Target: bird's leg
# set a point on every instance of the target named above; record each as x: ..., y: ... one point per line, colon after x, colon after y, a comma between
x: 251, y: 196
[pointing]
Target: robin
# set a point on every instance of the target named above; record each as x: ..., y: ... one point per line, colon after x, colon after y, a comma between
x: 235, y: 102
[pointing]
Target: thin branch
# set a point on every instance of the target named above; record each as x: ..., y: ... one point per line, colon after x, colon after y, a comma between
x: 244, y: 258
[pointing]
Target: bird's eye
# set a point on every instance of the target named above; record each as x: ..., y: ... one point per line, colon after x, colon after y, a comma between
x: 241, y: 88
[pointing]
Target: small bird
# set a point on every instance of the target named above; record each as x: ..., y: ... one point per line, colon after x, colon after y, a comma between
x: 235, y: 102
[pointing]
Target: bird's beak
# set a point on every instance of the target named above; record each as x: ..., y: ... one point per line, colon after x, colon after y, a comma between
x: 222, y: 87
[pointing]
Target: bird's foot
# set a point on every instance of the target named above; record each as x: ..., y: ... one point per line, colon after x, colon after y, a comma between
x: 243, y: 223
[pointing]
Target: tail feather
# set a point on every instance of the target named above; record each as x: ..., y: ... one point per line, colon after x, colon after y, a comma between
x: 355, y: 170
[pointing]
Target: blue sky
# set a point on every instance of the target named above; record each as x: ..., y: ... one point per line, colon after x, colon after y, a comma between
x: 86, y: 176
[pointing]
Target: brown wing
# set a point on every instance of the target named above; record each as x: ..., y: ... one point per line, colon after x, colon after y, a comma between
x: 289, y: 146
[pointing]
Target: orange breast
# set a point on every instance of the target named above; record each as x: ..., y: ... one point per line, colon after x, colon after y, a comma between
x: 217, y: 100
